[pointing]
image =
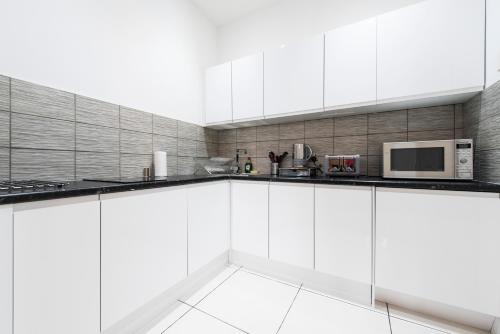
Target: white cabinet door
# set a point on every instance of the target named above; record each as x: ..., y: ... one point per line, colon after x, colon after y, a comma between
x: 351, y: 65
x: 6, y: 242
x: 218, y: 106
x: 291, y: 224
x: 208, y: 223
x: 249, y: 222
x: 144, y: 248
x: 440, y: 246
x: 56, y: 266
x: 431, y: 48
x: 343, y: 232
x: 248, y: 87
x: 293, y: 77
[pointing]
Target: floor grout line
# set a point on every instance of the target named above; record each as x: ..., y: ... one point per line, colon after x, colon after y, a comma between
x: 213, y: 316
x: 191, y: 307
x: 388, y: 317
x: 288, y: 311
x: 208, y: 294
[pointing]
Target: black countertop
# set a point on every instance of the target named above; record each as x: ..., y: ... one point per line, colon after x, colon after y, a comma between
x: 85, y: 188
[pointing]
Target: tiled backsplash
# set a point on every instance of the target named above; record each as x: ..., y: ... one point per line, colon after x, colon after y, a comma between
x: 50, y: 134
x: 359, y: 134
x: 482, y: 119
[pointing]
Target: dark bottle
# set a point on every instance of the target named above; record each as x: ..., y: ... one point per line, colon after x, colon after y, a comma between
x: 248, y: 166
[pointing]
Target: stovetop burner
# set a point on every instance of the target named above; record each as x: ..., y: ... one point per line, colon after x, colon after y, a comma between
x: 31, y: 185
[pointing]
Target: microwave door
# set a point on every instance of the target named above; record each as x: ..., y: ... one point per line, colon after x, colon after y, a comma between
x: 420, y: 160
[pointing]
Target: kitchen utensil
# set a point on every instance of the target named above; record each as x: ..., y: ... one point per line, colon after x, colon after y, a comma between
x: 282, y: 157
x: 301, y: 154
x: 274, y: 168
x: 297, y: 171
x: 146, y: 172
x: 342, y: 165
x: 272, y: 157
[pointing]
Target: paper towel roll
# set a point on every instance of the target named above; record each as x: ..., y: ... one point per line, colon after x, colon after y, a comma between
x: 160, y: 163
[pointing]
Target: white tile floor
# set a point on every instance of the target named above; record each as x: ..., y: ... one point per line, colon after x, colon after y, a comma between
x: 241, y: 301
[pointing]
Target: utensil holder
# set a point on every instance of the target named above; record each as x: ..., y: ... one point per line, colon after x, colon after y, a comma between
x: 274, y: 168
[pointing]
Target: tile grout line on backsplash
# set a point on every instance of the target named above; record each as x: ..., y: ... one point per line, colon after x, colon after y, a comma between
x: 10, y: 129
x: 74, y: 110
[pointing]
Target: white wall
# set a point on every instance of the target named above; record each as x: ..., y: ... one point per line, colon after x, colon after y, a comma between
x: 145, y: 54
x: 291, y: 20
x: 492, y: 42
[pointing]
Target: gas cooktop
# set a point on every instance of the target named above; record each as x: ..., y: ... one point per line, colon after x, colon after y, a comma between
x: 31, y: 185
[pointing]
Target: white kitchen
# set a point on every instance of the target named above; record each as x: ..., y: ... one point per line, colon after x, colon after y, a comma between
x: 235, y: 166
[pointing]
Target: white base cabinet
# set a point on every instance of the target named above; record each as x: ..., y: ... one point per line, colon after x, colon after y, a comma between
x: 6, y: 244
x: 440, y: 246
x: 208, y: 223
x: 343, y: 232
x: 56, y: 266
x: 144, y: 248
x: 249, y: 213
x: 291, y: 224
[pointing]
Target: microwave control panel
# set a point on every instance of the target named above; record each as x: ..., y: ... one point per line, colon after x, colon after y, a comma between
x: 464, y: 155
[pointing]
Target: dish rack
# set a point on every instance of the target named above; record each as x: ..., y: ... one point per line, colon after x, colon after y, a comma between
x: 215, y: 165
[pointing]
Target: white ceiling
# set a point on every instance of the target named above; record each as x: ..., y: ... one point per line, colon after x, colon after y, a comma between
x: 224, y: 11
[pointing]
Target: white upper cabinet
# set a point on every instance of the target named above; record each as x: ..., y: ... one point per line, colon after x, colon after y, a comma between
x: 57, y: 267
x: 440, y: 246
x: 351, y: 65
x: 343, y: 232
x: 218, y: 105
x: 248, y: 87
x: 293, y: 77
x: 6, y: 242
x: 432, y: 48
x: 144, y: 248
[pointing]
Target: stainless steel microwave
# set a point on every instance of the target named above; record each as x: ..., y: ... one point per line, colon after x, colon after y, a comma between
x: 437, y: 159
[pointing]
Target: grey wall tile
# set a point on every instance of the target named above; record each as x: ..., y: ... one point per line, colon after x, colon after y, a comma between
x: 38, y: 100
x: 187, y: 130
x: 132, y: 165
x: 42, y: 133
x: 245, y: 135
x: 321, y: 128
x: 172, y: 165
x: 431, y: 135
x: 206, y: 150
x: 434, y: 118
x: 4, y: 163
x: 207, y: 135
x: 264, y: 147
x: 472, y: 111
x: 489, y: 162
x: 263, y: 165
x: 164, y: 126
x: 227, y: 150
x: 97, y: 165
x: 287, y: 145
x: 351, y: 125
x: 96, y: 112
x: 186, y: 148
x: 163, y: 143
x: 321, y: 146
x: 251, y: 149
x: 42, y: 164
x: 491, y: 101
x: 376, y: 141
x: 4, y: 129
x: 185, y: 165
x: 136, y: 142
x: 459, y: 134
x: 268, y: 132
x: 459, y: 116
x: 294, y: 130
x: 136, y: 120
x: 227, y: 136
x: 375, y: 166
x: 350, y: 145
x: 4, y: 93
x: 489, y: 130
x: 96, y: 138
x: 386, y: 122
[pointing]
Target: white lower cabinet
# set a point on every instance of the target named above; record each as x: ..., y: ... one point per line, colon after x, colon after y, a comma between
x: 144, y: 248
x: 291, y: 224
x: 343, y: 232
x: 56, y: 266
x: 6, y: 239
x: 440, y: 246
x: 208, y: 223
x: 250, y: 209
